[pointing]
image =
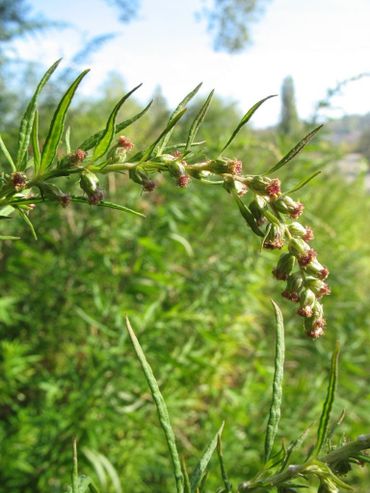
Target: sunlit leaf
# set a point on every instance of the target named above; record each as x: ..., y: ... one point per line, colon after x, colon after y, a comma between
x: 198, y: 121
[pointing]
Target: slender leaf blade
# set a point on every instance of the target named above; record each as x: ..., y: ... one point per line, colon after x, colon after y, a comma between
x: 245, y: 120
x: 91, y: 141
x: 35, y: 143
x: 198, y: 120
x: 106, y: 138
x: 303, y: 183
x: 328, y: 404
x: 26, y: 125
x: 295, y: 150
x: 201, y: 468
x: 110, y: 205
x: 225, y: 478
x: 7, y: 154
x: 277, y: 385
x: 179, y: 109
x: 148, y: 152
x: 162, y: 410
x: 248, y: 216
x: 57, y: 125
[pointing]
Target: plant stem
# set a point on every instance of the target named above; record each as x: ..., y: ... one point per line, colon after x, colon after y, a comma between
x: 293, y: 471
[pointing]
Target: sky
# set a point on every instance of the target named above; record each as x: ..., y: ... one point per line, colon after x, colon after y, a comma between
x: 318, y: 42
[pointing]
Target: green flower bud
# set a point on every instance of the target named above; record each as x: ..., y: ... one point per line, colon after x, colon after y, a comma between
x: 307, y: 301
x: 257, y: 211
x: 176, y: 169
x: 284, y: 267
x: 275, y: 237
x: 296, y: 229
x: 297, y: 247
x: 89, y: 182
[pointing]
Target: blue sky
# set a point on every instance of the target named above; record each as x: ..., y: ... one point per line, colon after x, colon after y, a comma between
x: 318, y: 42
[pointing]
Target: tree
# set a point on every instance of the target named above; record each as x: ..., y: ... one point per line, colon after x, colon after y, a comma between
x: 289, y: 120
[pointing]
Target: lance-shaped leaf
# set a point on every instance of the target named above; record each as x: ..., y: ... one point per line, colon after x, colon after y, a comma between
x: 245, y: 120
x: 57, y: 125
x: 106, y: 138
x: 179, y: 110
x: 7, y: 154
x: 293, y: 152
x: 201, y: 468
x: 248, y: 216
x: 187, y: 487
x: 27, y: 220
x: 228, y: 486
x: 328, y: 404
x: 26, y: 125
x: 303, y: 183
x: 162, y: 410
x: 91, y: 141
x: 35, y: 143
x: 109, y: 205
x: 149, y: 151
x: 198, y: 121
x: 277, y: 385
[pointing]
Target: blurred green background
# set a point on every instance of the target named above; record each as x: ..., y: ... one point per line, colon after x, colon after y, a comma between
x: 196, y: 287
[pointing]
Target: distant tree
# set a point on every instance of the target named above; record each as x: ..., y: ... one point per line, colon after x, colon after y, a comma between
x: 228, y: 21
x: 289, y: 120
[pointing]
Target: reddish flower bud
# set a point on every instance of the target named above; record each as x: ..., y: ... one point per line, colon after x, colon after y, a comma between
x: 297, y: 211
x: 65, y: 200
x: 149, y: 185
x: 79, y: 156
x: 19, y: 181
x: 284, y: 267
x: 183, y: 181
x: 95, y: 197
x: 305, y: 311
x: 307, y: 257
x: 275, y: 238
x: 235, y: 167
x: 273, y: 189
x: 125, y: 143
x: 291, y: 296
x: 315, y: 327
x: 324, y: 272
x: 309, y: 235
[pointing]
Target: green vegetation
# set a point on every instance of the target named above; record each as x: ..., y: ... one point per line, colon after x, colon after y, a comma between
x: 193, y: 282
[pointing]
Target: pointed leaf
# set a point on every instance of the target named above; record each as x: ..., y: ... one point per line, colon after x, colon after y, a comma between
x: 110, y: 205
x: 227, y: 484
x: 57, y: 125
x: 148, y: 152
x: 198, y: 121
x: 302, y: 183
x: 26, y: 126
x: 162, y: 410
x: 2, y: 238
x: 293, y: 152
x: 277, y: 385
x: 35, y: 143
x: 91, y: 141
x: 200, y: 470
x: 106, y: 138
x: 27, y: 220
x: 179, y: 109
x: 328, y: 404
x: 245, y: 120
x: 7, y: 154
x: 248, y: 216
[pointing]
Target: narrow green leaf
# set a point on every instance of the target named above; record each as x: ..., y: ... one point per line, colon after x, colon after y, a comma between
x: 27, y: 220
x: 302, y: 183
x: 178, y: 110
x: 106, y: 138
x: 187, y: 487
x: 162, y: 410
x: 228, y: 487
x: 7, y: 154
x: 35, y: 143
x: 248, y: 216
x: 110, y: 205
x: 201, y: 468
x: 75, y: 487
x: 91, y: 141
x: 57, y: 125
x: 328, y: 404
x: 245, y: 120
x: 198, y: 121
x: 67, y: 140
x: 293, y: 445
x: 148, y: 152
x: 277, y: 385
x: 26, y: 126
x: 2, y: 238
x: 293, y: 152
